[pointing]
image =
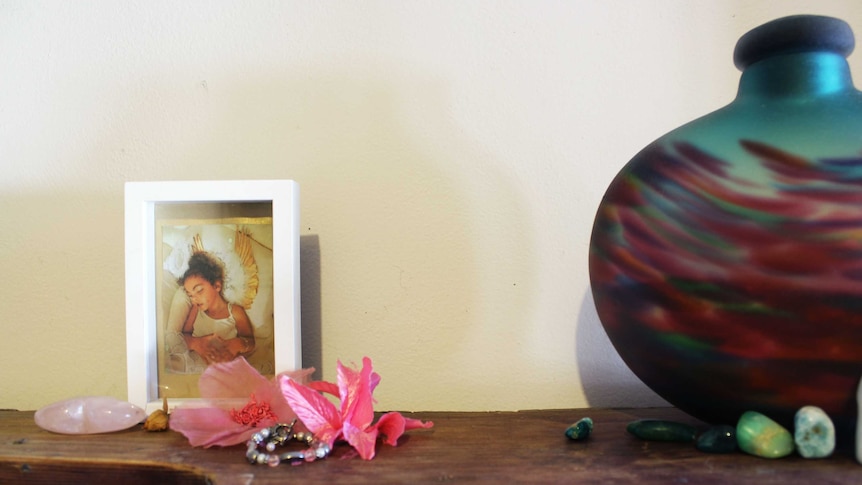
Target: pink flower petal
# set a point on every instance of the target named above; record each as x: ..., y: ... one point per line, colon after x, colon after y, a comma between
x: 302, y: 376
x: 410, y: 423
x: 391, y: 425
x: 345, y: 380
x: 362, y: 441
x: 236, y: 378
x: 323, y: 386
x: 316, y: 412
x: 373, y: 380
x: 209, y: 426
x: 272, y: 393
x: 357, y: 406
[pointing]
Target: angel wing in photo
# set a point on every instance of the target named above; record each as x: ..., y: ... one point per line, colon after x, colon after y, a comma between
x: 241, y: 279
x: 243, y: 249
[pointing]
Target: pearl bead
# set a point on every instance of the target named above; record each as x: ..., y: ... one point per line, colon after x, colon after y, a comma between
x: 322, y: 450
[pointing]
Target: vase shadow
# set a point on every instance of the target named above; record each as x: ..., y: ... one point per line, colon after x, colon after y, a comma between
x: 605, y: 378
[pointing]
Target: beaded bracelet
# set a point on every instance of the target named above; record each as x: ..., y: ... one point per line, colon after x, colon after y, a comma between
x: 278, y: 435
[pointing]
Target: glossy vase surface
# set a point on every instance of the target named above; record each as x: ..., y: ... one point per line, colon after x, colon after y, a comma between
x: 726, y: 256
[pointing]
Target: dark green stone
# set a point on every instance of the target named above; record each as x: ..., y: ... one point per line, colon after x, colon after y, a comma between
x: 717, y: 439
x: 580, y: 430
x: 660, y: 430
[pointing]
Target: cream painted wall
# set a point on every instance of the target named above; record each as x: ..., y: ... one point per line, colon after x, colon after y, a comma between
x: 451, y: 156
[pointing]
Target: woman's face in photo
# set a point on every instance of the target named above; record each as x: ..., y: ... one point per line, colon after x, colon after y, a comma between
x: 201, y: 292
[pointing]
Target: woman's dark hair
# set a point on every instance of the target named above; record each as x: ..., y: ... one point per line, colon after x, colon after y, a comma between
x: 206, y: 266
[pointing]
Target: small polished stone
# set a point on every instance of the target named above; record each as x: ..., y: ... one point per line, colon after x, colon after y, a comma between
x: 580, y: 430
x: 813, y: 432
x: 717, y: 439
x: 89, y: 415
x: 759, y: 435
x: 660, y: 430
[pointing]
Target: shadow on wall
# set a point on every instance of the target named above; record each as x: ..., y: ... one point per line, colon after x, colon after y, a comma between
x: 606, y: 380
x: 309, y: 284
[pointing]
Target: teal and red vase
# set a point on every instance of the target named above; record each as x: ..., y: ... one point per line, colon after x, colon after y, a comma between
x: 726, y: 256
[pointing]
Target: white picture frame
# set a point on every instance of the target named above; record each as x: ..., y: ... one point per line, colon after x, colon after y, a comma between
x: 144, y: 201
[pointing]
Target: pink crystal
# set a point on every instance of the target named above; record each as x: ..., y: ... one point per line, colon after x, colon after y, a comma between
x: 89, y: 415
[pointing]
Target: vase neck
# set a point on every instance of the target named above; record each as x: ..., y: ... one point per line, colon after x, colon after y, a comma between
x: 800, y: 75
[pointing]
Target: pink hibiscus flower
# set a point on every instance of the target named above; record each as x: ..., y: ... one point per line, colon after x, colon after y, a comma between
x: 353, y: 422
x: 237, y: 402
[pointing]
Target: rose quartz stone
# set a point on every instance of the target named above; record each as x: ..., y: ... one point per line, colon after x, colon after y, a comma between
x: 89, y: 415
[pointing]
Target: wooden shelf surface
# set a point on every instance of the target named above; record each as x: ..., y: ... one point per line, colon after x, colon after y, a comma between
x: 499, y: 447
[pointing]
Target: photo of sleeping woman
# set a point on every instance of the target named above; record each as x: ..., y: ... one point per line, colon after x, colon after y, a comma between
x: 215, y: 301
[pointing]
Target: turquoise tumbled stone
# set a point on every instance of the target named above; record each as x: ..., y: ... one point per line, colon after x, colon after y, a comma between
x: 813, y: 432
x: 758, y: 435
x: 660, y: 430
x: 717, y: 439
x: 580, y: 430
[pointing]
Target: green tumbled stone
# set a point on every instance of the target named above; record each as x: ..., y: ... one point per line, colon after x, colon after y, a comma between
x: 660, y: 430
x: 759, y: 435
x: 580, y: 430
x: 717, y: 439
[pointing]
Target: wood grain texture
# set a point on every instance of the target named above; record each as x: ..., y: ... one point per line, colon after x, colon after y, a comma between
x: 510, y: 447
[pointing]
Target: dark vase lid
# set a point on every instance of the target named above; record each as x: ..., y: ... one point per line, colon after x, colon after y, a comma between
x: 794, y: 34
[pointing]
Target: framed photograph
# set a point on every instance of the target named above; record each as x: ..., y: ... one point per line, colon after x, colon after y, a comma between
x: 212, y: 273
